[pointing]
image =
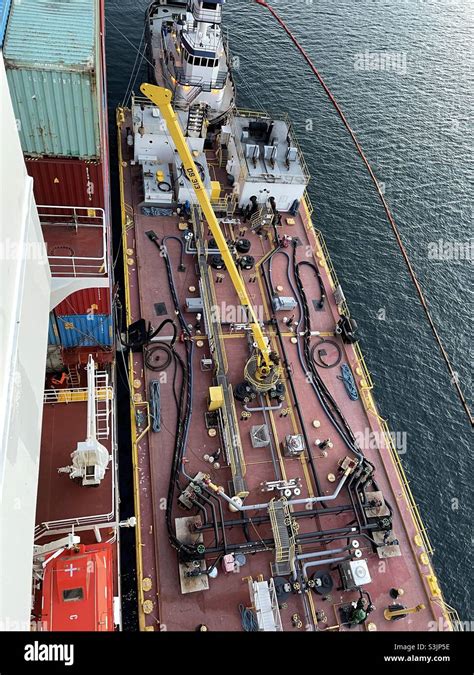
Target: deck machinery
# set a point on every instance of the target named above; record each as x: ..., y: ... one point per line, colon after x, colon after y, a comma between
x: 278, y: 516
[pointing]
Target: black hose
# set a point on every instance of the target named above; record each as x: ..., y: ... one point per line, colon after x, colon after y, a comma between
x: 289, y: 375
x: 160, y: 328
x: 319, y: 361
x: 322, y: 290
x: 152, y: 361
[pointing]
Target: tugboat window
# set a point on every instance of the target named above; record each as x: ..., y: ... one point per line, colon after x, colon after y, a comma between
x: 72, y: 594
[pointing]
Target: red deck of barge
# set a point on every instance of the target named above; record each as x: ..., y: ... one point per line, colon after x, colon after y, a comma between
x: 161, y: 604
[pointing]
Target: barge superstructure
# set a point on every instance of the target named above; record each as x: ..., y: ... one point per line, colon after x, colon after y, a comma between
x: 259, y: 503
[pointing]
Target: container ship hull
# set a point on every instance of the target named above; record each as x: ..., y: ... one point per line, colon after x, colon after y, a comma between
x: 56, y: 52
x: 258, y: 507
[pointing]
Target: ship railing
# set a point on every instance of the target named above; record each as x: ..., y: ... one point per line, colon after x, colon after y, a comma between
x: 410, y: 500
x: 138, y: 100
x: 296, y: 143
x: 451, y: 616
x: 324, y: 257
x: 128, y: 224
x: 226, y: 204
x: 206, y: 15
x: 64, y: 525
x: 366, y: 383
x: 103, y: 393
x: 182, y: 79
x: 219, y: 203
x: 242, y: 112
x: 283, y: 178
x: 90, y: 229
x: 102, y: 403
x: 309, y: 204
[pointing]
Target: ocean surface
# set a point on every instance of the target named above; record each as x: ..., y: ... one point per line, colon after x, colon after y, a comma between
x: 402, y: 72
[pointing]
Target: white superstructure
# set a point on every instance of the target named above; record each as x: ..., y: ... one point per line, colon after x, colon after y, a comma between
x: 190, y: 55
x: 25, y: 282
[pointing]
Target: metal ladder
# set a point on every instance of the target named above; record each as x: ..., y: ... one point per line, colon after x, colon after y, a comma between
x: 281, y: 522
x: 261, y: 218
x: 222, y: 155
x: 102, y: 404
x: 231, y: 205
x: 74, y: 379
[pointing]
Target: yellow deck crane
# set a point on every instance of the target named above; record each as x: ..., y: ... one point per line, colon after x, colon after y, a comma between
x: 161, y: 97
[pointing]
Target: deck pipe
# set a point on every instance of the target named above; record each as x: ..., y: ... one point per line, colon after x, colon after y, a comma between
x: 263, y: 408
x: 320, y: 554
x: 291, y: 502
x: 290, y: 380
x: 320, y: 563
x: 306, y: 513
x: 214, y: 516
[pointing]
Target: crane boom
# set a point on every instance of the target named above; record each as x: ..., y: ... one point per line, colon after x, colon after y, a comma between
x: 161, y: 97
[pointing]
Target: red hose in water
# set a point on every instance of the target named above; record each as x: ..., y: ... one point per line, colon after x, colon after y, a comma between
x: 454, y: 375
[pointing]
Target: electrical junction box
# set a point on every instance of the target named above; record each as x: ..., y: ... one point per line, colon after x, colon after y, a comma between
x: 281, y: 303
x: 157, y: 184
x: 215, y: 190
x: 194, y: 304
x: 354, y: 573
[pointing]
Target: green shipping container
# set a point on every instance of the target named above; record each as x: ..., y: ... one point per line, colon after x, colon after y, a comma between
x: 52, y: 57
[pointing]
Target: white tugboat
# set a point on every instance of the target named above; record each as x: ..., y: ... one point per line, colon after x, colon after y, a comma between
x: 190, y: 57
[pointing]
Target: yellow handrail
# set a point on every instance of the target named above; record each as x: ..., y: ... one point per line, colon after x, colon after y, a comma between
x: 135, y: 437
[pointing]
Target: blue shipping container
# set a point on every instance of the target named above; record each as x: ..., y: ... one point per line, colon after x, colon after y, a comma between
x: 53, y: 333
x: 85, y: 330
x: 53, y: 62
x: 4, y: 11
